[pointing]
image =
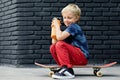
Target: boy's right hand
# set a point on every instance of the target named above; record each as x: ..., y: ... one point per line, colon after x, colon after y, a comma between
x: 56, y: 22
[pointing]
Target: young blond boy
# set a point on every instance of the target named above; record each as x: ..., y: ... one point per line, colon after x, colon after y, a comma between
x: 70, y: 46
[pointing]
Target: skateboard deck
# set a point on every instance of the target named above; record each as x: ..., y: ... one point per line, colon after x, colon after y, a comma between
x: 96, y: 68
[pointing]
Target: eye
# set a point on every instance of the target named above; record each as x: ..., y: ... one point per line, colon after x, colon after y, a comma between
x: 64, y: 17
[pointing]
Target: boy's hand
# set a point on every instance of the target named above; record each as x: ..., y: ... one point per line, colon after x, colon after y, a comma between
x: 56, y: 23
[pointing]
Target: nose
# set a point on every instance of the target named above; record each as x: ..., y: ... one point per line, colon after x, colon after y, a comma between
x: 65, y: 20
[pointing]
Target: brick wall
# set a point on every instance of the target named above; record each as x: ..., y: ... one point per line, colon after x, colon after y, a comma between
x: 25, y: 29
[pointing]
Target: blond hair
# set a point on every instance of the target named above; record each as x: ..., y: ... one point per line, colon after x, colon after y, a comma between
x: 74, y: 9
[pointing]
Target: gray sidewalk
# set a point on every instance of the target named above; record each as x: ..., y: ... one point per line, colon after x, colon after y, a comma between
x: 36, y: 73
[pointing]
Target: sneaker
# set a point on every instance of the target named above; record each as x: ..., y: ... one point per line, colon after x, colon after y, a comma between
x: 64, y: 73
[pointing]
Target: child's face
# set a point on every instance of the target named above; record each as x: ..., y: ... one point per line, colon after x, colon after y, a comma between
x: 68, y: 18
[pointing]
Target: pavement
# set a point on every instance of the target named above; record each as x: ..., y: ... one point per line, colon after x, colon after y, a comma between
x: 38, y: 73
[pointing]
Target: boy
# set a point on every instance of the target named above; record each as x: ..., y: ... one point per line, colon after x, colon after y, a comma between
x: 70, y: 46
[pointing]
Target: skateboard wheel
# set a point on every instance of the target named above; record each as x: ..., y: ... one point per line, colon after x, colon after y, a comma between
x: 51, y: 73
x: 99, y: 74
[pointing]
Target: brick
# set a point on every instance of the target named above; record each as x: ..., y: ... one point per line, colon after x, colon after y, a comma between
x: 20, y: 52
x: 5, y: 43
x: 6, y: 61
x: 22, y: 14
x: 93, y: 42
x: 25, y: 47
x: 42, y: 51
x: 94, y: 23
x: 29, y: 28
x: 46, y: 37
x: 45, y: 46
x: 100, y: 9
x: 5, y: 52
x: 100, y: 28
x: 56, y: 14
x: 19, y: 33
x: 97, y: 33
x: 9, y: 47
x: 47, y: 19
x: 23, y: 61
x: 117, y: 56
x: 43, y: 23
x: 100, y: 37
x: 28, y: 42
x: 111, y: 23
x: 101, y: 46
x: 24, y: 23
x: 112, y: 42
x: 105, y: 18
x: 43, y: 61
x: 86, y: 28
x: 115, y: 28
x: 110, y: 32
x: 98, y: 61
x: 67, y: 1
x: 109, y: 5
x: 26, y: 5
x: 93, y: 14
x: 100, y: 1
x: 26, y: 1
x: 28, y: 56
x: 83, y: 1
x: 115, y: 18
x: 102, y: 56
x: 42, y: 5
x: 49, y: 1
x: 111, y: 51
x: 42, y: 32
x: 29, y: 37
x: 10, y: 11
x: 58, y: 5
x: 8, y: 3
x: 115, y: 37
x: 42, y: 13
x: 5, y: 34
x: 92, y: 5
x: 86, y: 9
x: 40, y: 42
x: 50, y: 9
x: 10, y: 29
x: 94, y: 51
x: 115, y: 1
x: 115, y: 46
x: 115, y: 9
x: 86, y: 18
x: 33, y: 9
x: 112, y: 60
x: 111, y: 14
x: 48, y: 56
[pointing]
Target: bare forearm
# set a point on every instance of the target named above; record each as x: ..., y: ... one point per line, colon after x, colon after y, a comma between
x: 58, y: 33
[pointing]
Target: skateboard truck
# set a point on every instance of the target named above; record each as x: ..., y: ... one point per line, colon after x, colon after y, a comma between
x: 97, y: 72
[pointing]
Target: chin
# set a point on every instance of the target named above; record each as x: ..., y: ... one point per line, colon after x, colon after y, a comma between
x: 67, y: 24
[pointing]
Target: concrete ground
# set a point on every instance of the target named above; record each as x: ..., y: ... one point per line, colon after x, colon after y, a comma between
x: 37, y: 73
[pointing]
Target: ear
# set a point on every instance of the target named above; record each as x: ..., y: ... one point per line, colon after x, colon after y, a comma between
x: 77, y: 18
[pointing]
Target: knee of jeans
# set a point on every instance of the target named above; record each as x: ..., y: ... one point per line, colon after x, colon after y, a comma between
x: 59, y: 44
x: 52, y: 47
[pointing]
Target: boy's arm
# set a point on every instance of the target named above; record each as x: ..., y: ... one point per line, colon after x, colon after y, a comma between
x: 60, y: 35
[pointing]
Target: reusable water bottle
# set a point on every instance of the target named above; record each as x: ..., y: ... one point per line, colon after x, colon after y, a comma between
x: 53, y: 31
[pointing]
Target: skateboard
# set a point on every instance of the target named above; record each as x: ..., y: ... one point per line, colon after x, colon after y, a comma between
x: 96, y: 68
